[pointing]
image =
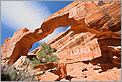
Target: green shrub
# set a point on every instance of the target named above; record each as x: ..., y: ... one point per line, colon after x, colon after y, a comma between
x: 52, y: 50
x: 46, y: 46
x: 5, y: 77
x: 35, y: 62
x: 53, y: 58
x: 45, y: 55
x: 41, y: 54
x: 8, y: 73
x: 13, y: 74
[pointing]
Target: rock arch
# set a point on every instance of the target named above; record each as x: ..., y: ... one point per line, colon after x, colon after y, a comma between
x: 81, y: 16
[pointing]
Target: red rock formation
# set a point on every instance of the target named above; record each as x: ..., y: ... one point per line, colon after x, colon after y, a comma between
x: 79, y: 15
x: 61, y: 68
x: 48, y: 76
x: 82, y: 47
x: 88, y: 72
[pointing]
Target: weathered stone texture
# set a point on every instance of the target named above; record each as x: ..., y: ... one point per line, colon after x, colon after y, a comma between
x: 81, y: 16
x: 85, y: 51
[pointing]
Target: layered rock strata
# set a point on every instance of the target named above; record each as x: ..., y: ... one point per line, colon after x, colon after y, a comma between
x: 92, y: 39
x: 81, y: 16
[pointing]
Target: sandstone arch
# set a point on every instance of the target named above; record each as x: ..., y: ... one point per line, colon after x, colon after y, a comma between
x: 81, y: 16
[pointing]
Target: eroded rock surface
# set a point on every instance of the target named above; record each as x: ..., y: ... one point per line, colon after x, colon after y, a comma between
x: 82, y: 47
x: 48, y: 76
x: 87, y: 72
x: 79, y: 15
x: 87, y: 51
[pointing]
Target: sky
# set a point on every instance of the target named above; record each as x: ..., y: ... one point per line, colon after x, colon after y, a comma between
x: 29, y: 14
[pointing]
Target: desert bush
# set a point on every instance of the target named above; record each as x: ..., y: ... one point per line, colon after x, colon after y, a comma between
x: 45, y: 55
x: 52, y: 58
x: 35, y: 62
x: 8, y: 73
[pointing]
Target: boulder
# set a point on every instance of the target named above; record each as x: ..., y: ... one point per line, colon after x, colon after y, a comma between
x: 48, y: 76
x: 56, y: 68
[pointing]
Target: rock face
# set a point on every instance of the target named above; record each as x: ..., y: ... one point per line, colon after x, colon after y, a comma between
x: 87, y: 72
x: 48, y: 76
x: 79, y: 15
x: 82, y: 47
x: 18, y: 45
x: 12, y: 48
x: 86, y: 51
